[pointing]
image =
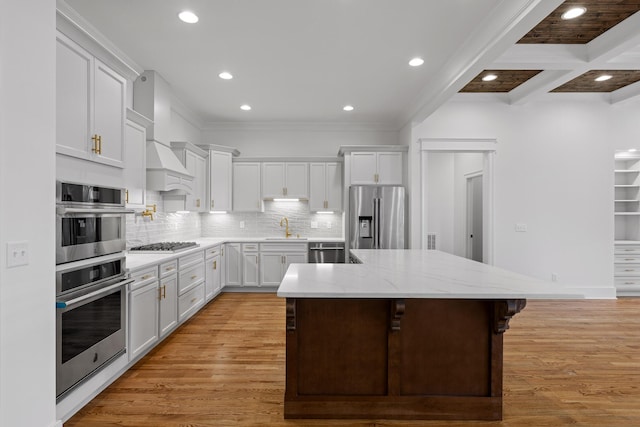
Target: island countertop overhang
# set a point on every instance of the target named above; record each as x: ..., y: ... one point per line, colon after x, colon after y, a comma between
x: 415, y: 273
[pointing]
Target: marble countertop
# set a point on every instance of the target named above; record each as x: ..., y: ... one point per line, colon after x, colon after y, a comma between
x: 415, y: 273
x: 137, y: 261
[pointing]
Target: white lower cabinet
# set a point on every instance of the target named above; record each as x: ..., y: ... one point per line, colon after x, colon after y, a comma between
x: 168, y: 304
x: 275, y: 259
x: 233, y: 263
x: 143, y: 316
x: 190, y: 285
x: 212, y: 272
x: 250, y: 264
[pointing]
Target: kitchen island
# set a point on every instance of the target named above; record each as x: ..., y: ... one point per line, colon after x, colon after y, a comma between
x: 406, y: 334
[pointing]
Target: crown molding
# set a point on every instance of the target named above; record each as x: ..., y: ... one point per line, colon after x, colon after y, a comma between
x: 300, y: 126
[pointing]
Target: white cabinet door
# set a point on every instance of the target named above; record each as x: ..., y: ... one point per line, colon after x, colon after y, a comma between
x: 273, y: 180
x: 325, y: 187
x: 334, y: 187
x: 363, y: 168
x: 143, y: 319
x: 196, y: 165
x: 212, y: 277
x: 233, y: 264
x: 271, y: 268
x: 389, y: 168
x: 110, y: 91
x: 135, y: 173
x: 74, y: 67
x: 293, y: 258
x: 217, y: 274
x: 297, y: 180
x: 90, y: 106
x: 168, y: 304
x: 220, y: 181
x: 250, y: 269
x: 246, y: 187
x: 317, y: 186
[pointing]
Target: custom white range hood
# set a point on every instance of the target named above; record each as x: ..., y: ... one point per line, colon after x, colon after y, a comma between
x: 165, y: 172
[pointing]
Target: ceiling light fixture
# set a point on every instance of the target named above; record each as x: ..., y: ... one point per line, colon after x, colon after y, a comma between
x: 603, y: 78
x: 245, y: 107
x: 574, y: 12
x: 348, y: 108
x: 225, y: 75
x: 489, y: 78
x: 188, y: 17
x: 416, y: 62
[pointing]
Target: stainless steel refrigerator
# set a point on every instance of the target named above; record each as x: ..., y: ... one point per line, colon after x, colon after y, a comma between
x: 377, y: 217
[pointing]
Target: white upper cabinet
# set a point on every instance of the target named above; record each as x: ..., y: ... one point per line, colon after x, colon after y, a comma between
x: 325, y: 187
x: 285, y: 179
x: 135, y: 174
x: 376, y: 168
x: 90, y: 106
x: 195, y: 162
x: 246, y: 187
x: 220, y: 178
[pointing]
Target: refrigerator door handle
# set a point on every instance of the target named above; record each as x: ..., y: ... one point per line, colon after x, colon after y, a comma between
x: 376, y: 223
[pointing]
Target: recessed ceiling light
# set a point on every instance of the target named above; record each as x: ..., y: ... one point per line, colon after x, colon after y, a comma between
x: 188, y: 17
x: 245, y: 107
x: 416, y: 62
x: 225, y: 75
x: 632, y: 150
x: 348, y: 108
x: 489, y: 78
x: 574, y: 12
x: 603, y: 78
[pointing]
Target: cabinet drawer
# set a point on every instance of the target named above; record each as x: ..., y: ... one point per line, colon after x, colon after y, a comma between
x: 190, y: 277
x: 189, y: 260
x: 170, y: 267
x: 144, y: 277
x: 626, y: 259
x: 250, y: 247
x: 627, y: 282
x: 190, y: 302
x: 283, y: 247
x: 627, y: 250
x: 211, y: 252
x: 626, y: 269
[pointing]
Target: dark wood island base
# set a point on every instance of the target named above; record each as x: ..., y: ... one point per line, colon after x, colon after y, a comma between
x: 396, y: 358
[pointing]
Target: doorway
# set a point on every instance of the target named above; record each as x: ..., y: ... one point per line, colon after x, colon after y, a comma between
x: 474, y: 217
x: 432, y: 196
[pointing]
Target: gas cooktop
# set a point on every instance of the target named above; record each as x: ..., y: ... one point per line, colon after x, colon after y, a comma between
x: 163, y: 247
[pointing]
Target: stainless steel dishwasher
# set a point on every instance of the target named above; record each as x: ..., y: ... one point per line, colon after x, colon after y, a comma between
x: 326, y: 252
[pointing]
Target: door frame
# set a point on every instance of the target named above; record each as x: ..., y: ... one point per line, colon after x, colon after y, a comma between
x: 469, y: 208
x: 488, y: 148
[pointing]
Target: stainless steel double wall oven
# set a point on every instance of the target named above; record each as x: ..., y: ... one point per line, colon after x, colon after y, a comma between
x: 91, y: 280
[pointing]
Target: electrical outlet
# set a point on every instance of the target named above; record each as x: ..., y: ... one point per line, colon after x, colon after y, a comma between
x: 328, y: 225
x: 554, y: 277
x: 241, y: 224
x: 314, y: 224
x: 520, y: 227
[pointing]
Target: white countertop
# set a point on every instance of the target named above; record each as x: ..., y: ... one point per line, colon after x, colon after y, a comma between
x: 136, y: 261
x: 415, y: 273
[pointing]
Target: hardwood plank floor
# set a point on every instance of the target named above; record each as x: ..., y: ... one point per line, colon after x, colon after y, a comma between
x: 565, y: 362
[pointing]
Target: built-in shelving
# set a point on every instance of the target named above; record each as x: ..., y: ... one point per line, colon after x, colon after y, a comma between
x: 627, y: 223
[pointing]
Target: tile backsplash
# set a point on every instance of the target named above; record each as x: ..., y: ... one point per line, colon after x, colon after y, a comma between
x: 188, y: 226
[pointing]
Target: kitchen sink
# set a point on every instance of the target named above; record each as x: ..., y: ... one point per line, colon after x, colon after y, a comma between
x: 286, y: 238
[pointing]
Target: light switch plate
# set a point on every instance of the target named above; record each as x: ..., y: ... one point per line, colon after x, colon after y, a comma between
x: 17, y: 253
x: 521, y: 227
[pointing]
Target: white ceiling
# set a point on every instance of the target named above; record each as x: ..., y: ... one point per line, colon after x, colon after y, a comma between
x: 303, y: 60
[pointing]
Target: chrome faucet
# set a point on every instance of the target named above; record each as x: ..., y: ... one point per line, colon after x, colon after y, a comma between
x: 286, y: 231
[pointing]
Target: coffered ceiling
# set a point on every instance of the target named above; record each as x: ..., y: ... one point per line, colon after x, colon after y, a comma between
x: 302, y: 61
x: 572, y: 54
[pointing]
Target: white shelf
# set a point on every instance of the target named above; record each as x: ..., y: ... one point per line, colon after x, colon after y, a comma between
x: 626, y: 171
x: 626, y: 186
x: 627, y: 201
x: 626, y: 213
x: 627, y: 242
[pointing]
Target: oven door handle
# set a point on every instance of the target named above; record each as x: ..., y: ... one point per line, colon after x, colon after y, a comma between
x: 65, y: 211
x: 74, y: 301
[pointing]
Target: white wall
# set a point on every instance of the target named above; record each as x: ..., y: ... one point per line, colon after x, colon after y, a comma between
x: 183, y: 128
x: 296, y: 140
x: 27, y: 204
x: 553, y: 172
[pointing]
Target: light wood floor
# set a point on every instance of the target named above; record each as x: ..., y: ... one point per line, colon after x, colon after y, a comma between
x: 565, y: 362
